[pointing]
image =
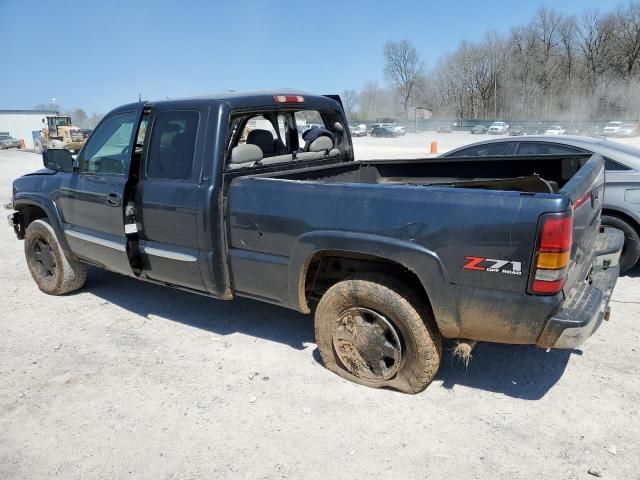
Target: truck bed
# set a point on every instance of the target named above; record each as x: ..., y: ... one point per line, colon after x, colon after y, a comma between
x: 523, y: 174
x: 446, y: 209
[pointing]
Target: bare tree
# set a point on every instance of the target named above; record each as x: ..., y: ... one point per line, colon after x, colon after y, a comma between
x: 402, y: 68
x: 349, y: 101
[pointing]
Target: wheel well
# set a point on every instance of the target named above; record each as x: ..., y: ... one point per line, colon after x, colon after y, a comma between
x: 623, y: 216
x: 327, y: 268
x: 29, y: 213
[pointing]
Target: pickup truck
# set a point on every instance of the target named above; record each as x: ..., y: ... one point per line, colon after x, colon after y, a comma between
x: 392, y: 255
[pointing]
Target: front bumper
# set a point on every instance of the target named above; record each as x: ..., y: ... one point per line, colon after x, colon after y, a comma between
x: 15, y: 222
x: 587, y: 304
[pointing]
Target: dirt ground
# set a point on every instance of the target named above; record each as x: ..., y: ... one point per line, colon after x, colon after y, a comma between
x: 129, y: 380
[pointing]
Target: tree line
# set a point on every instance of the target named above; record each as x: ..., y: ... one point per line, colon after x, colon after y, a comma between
x: 556, y: 67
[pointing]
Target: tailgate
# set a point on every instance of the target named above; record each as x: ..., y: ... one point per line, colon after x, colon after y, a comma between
x: 586, y: 190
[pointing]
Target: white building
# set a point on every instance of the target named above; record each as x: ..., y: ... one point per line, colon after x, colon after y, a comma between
x: 21, y: 124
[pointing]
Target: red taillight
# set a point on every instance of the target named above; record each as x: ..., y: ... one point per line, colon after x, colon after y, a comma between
x: 556, y: 233
x: 288, y: 98
x: 553, y: 253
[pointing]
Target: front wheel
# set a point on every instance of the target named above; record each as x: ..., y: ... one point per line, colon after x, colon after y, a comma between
x: 51, y: 270
x: 370, y: 332
x: 631, y: 248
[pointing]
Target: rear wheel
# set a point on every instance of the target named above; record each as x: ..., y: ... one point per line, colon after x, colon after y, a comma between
x: 631, y: 249
x: 370, y: 332
x: 51, y: 270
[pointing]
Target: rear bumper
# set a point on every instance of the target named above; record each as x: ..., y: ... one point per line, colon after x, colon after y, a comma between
x: 587, y: 304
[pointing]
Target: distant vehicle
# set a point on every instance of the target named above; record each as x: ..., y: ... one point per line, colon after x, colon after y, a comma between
x: 85, y: 132
x: 384, y: 130
x: 58, y: 132
x: 621, y: 208
x: 611, y: 128
x: 517, y: 130
x: 399, y: 129
x: 498, y: 128
x: 628, y: 130
x: 479, y: 130
x: 444, y: 128
x: 555, y: 130
x: 358, y: 130
x: 7, y: 141
x: 575, y: 130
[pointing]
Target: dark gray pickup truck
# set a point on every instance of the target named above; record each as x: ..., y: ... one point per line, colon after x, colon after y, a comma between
x: 234, y: 195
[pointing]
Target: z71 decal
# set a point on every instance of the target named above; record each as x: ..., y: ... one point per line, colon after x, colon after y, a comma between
x: 492, y: 265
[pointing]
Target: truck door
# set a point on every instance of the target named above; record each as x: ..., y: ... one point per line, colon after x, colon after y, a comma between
x: 91, y: 198
x: 166, y: 196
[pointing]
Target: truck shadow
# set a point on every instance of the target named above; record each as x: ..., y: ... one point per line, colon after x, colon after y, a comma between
x: 517, y: 371
x: 221, y: 317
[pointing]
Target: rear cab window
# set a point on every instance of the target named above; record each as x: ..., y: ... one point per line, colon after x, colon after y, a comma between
x: 283, y: 136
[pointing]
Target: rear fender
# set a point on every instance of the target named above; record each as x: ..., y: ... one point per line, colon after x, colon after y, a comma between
x: 424, y: 263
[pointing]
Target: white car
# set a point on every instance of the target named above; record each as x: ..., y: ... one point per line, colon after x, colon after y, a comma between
x: 612, y: 128
x: 555, y: 130
x: 400, y: 130
x: 498, y: 128
x: 359, y: 130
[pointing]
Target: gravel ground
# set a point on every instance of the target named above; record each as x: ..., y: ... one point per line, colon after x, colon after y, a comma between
x: 129, y: 380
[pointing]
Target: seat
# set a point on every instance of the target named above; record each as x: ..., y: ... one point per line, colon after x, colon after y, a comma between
x: 264, y: 140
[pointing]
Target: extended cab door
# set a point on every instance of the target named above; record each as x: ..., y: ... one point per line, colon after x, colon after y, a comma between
x: 167, y: 193
x: 91, y: 198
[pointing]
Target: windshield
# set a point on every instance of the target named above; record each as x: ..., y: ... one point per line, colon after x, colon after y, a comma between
x: 63, y: 122
x: 613, y: 124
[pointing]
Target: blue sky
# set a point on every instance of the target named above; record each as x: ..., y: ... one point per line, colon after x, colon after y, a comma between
x: 109, y: 51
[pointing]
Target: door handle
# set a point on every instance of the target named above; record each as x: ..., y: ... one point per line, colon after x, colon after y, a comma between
x: 114, y: 199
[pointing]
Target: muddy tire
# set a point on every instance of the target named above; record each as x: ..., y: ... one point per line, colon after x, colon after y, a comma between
x: 631, y: 249
x: 51, y: 270
x: 370, y: 330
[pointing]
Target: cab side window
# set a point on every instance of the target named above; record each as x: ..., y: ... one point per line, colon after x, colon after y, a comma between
x: 487, y: 150
x: 531, y: 148
x: 611, y: 165
x: 172, y: 145
x: 108, y: 150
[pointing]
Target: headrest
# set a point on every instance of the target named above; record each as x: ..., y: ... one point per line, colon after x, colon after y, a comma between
x: 246, y: 153
x: 263, y: 139
x: 321, y: 144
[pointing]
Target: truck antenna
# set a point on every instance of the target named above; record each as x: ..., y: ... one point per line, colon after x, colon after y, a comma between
x: 139, y: 97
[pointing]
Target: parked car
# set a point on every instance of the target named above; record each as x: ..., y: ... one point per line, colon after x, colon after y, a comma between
x: 391, y: 254
x: 628, y: 130
x: 85, y: 132
x: 479, y: 130
x: 384, y: 130
x: 621, y: 208
x: 7, y: 141
x: 399, y: 130
x: 555, y: 130
x: 612, y: 128
x: 359, y: 130
x: 516, y: 131
x: 498, y: 128
x: 444, y: 128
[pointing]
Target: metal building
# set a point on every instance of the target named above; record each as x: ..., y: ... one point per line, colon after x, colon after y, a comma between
x: 21, y: 124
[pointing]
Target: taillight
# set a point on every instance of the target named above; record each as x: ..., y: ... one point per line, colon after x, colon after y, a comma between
x: 552, y: 253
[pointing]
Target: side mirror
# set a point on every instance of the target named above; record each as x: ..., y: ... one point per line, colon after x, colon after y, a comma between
x: 59, y: 160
